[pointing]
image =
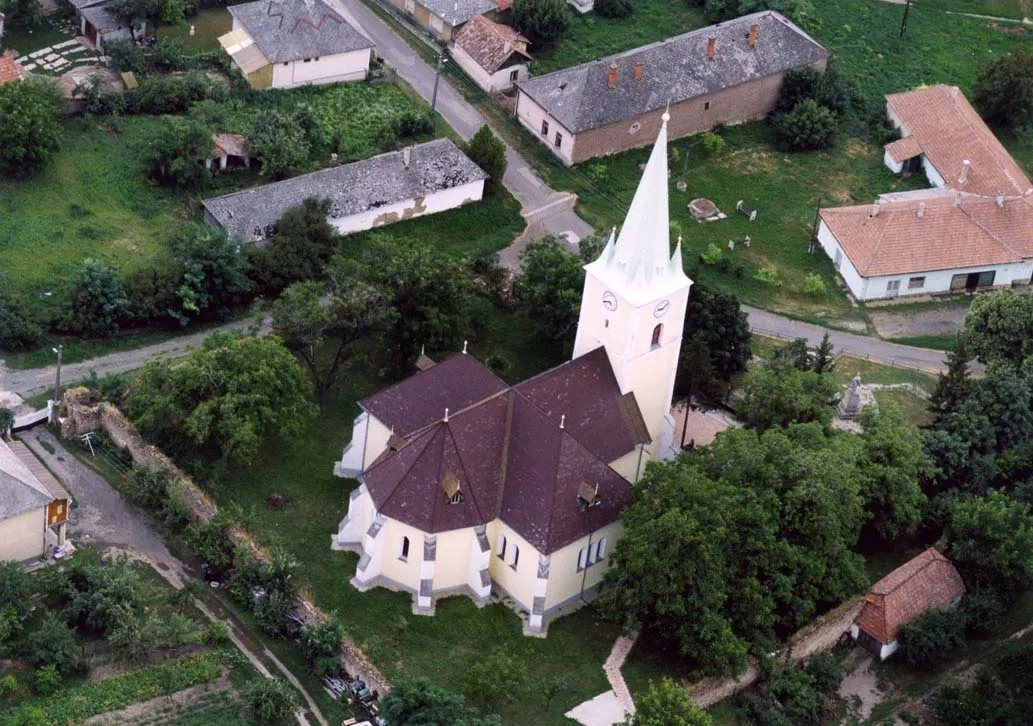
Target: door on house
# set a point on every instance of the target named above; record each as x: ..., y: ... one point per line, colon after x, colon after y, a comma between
x: 892, y: 288
x: 838, y: 260
x: 868, y: 643
x: 970, y: 281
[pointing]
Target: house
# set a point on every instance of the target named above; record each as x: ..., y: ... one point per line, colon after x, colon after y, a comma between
x: 418, y: 180
x: 944, y: 136
x: 493, y: 55
x: 471, y: 486
x: 229, y: 151
x: 972, y: 231
x: 728, y: 73
x: 444, y: 17
x: 10, y: 69
x: 927, y: 582
x: 33, y: 513
x: 3, y: 19
x: 295, y: 43
x: 100, y: 27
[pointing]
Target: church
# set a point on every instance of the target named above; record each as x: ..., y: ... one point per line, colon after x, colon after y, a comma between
x: 469, y: 485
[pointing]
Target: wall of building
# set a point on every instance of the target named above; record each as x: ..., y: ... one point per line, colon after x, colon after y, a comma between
x: 405, y: 572
x: 531, y: 115
x: 500, y: 80
x: 410, y: 208
x: 22, y: 537
x: 857, y: 284
x: 351, y: 66
x: 423, y: 16
x: 452, y: 568
x: 377, y: 436
x: 566, y: 582
x: 518, y: 582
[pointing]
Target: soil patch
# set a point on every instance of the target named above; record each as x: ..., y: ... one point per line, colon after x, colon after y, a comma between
x: 941, y: 321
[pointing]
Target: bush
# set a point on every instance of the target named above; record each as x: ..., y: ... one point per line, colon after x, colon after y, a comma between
x: 216, y: 634
x: 1004, y: 90
x: 279, y: 143
x: 713, y: 144
x: 806, y: 127
x: 270, y: 700
x: 8, y: 685
x: 542, y: 21
x: 614, y: 8
x: 174, y: 153
x: 321, y: 645
x: 147, y: 488
x: 210, y: 543
x: 96, y: 300
x: 270, y: 612
x: 163, y: 94
x: 825, y: 670
x: 768, y: 275
x: 981, y: 608
x: 411, y: 124
x: 51, y: 644
x: 489, y: 153
x: 32, y: 141
x: 815, y: 285
x: 711, y: 255
x: 47, y: 680
x: 926, y: 642
x: 20, y: 328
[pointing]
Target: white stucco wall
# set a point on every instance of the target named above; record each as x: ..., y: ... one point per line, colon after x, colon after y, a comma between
x: 498, y: 81
x: 846, y: 269
x: 23, y: 537
x: 895, y: 166
x: 351, y: 66
x: 409, y: 209
x: 531, y: 116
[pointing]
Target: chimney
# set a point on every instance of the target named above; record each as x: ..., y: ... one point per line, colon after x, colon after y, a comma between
x: 711, y: 44
x: 333, y: 160
x: 957, y: 199
x: 613, y: 76
x: 751, y: 38
x: 964, y: 171
x: 875, y: 209
x: 1000, y: 201
x: 405, y: 156
x: 638, y: 71
x: 506, y: 47
x: 954, y: 94
x: 921, y: 209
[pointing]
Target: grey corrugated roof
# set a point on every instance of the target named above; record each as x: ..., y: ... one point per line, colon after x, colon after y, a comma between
x: 20, y: 491
x: 457, y: 12
x: 351, y: 188
x: 99, y: 17
x: 673, y: 70
x: 295, y: 29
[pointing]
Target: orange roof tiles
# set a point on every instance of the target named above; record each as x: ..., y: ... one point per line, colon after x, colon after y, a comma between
x: 926, y: 582
x: 949, y: 131
x: 10, y: 69
x: 229, y: 145
x: 904, y: 149
x: 950, y: 233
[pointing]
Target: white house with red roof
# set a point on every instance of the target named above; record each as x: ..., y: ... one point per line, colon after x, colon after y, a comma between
x: 469, y: 485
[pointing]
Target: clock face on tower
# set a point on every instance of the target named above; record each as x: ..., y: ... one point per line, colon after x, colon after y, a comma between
x: 661, y: 308
x: 609, y: 301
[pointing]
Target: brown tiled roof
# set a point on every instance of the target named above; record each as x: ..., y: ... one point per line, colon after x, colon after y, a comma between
x: 926, y: 582
x: 904, y: 149
x: 10, y: 69
x: 490, y: 44
x: 949, y: 132
x: 951, y: 233
x: 503, y: 5
x: 508, y: 454
x: 229, y: 145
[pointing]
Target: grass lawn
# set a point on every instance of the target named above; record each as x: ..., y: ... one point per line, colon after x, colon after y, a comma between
x: 998, y: 8
x: 592, y: 36
x: 51, y: 32
x: 848, y: 366
x: 208, y: 25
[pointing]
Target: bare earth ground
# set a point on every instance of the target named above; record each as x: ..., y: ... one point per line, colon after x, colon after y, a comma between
x: 943, y: 321
x: 859, y: 683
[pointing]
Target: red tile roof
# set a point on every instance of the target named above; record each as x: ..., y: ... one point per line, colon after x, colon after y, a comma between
x: 229, y: 145
x: 10, y: 69
x: 952, y: 232
x: 490, y: 44
x: 904, y: 149
x: 926, y: 582
x: 949, y: 132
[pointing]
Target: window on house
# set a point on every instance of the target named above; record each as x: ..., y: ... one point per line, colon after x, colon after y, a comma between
x: 410, y: 6
x: 307, y: 60
x: 838, y: 259
x: 655, y: 343
x: 514, y: 74
x: 706, y: 105
x: 286, y: 63
x: 600, y: 550
x: 559, y: 140
x: 606, y: 324
x: 60, y: 508
x: 916, y: 283
x: 436, y: 23
x: 404, y: 557
x: 457, y: 498
x: 545, y: 128
x: 316, y: 58
x: 500, y: 549
x: 514, y: 559
x: 582, y: 559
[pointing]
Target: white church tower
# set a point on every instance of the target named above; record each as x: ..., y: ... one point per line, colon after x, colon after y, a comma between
x: 635, y: 299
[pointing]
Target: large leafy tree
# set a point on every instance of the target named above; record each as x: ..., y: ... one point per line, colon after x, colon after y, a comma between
x: 488, y: 152
x: 174, y: 152
x: 955, y: 384
x: 542, y: 21
x: 550, y: 286
x: 303, y: 244
x: 23, y: 13
x: 30, y: 134
x: 717, y: 318
x: 1004, y: 89
x: 213, y: 272
x: 999, y: 328
x: 667, y: 704
x: 96, y: 300
x: 418, y: 702
x: 134, y: 12
x: 991, y: 542
x: 280, y: 143
x: 780, y: 394
x: 232, y: 396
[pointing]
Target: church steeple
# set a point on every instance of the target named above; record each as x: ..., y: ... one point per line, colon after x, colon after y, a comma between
x: 638, y: 263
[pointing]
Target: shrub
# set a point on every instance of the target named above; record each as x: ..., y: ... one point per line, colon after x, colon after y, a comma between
x: 825, y: 670
x: 411, y: 124
x: 271, y: 612
x: 174, y: 153
x: 217, y: 633
x: 20, y: 328
x: 210, y: 543
x: 270, y: 700
x: 711, y: 255
x: 981, y: 608
x: 768, y: 275
x: 542, y: 21
x: 926, y: 642
x: 614, y: 8
x: 51, y: 644
x: 162, y: 94
x: 32, y: 141
x: 1004, y: 89
x: 280, y: 144
x: 489, y: 153
x: 96, y: 300
x: 321, y: 645
x: 8, y: 685
x: 713, y: 144
x: 147, y: 488
x: 46, y: 680
x: 814, y: 285
x: 806, y: 127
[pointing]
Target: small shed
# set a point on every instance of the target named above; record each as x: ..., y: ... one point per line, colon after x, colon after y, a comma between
x: 927, y: 582
x: 229, y: 151
x: 493, y: 55
x: 11, y: 70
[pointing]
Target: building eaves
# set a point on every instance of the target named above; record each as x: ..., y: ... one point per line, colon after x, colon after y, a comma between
x: 297, y: 29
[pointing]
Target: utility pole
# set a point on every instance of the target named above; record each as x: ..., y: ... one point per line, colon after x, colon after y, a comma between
x: 903, y: 23
x: 57, y: 382
x: 437, y: 77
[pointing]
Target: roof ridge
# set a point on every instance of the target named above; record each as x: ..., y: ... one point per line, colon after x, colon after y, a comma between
x: 879, y: 239
x: 404, y: 475
x: 1000, y: 242
x: 466, y: 475
x: 504, y: 464
x: 921, y: 568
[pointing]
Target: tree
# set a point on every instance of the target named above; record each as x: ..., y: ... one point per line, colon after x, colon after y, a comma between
x: 155, y: 12
x: 779, y: 395
x: 418, y: 702
x: 213, y: 272
x: 15, y: 588
x: 697, y: 380
x: 550, y: 688
x: 667, y: 704
x: 52, y: 643
x: 955, y: 385
x: 281, y: 144
x: 271, y: 612
x: 301, y: 247
x: 23, y: 13
x: 1003, y: 92
x: 725, y: 329
x: 796, y: 353
x: 499, y: 678
x: 100, y: 594
x: 991, y: 543
x: 927, y: 641
x: 20, y: 328
x: 999, y: 328
x: 175, y: 151
x: 307, y: 316
x: 826, y: 88
x: 488, y: 152
x: 542, y: 21
x: 550, y: 286
x: 96, y: 300
x: 824, y: 356
x: 270, y: 700
x: 321, y: 645
x: 47, y: 680
x: 614, y: 8
x: 232, y: 396
x: 806, y: 127
x: 30, y: 132
x: 719, y: 10
x: 892, y: 464
x: 429, y: 293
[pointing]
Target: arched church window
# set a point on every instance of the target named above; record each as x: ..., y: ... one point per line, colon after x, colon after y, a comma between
x: 515, y: 557
x: 405, y: 549
x: 656, y: 336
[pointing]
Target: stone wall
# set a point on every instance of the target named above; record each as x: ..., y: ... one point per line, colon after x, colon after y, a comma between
x: 79, y: 414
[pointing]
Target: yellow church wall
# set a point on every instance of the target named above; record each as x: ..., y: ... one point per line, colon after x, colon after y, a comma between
x: 22, y: 536
x: 377, y: 436
x: 631, y: 465
x: 453, y: 558
x: 565, y: 582
x: 518, y: 582
x: 405, y: 572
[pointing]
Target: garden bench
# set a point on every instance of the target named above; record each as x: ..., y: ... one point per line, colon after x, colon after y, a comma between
x: 747, y: 211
